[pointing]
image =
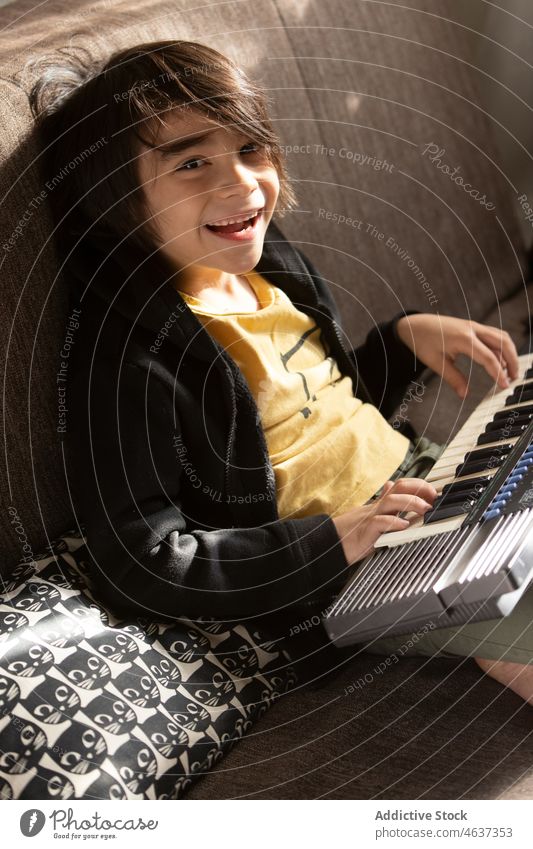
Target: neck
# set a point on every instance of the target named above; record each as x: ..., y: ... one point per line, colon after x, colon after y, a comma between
x: 198, y: 279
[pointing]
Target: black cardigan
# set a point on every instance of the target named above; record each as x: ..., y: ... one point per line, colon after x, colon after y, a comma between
x: 168, y: 464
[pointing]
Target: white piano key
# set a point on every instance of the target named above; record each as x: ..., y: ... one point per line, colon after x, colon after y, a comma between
x: 419, y: 532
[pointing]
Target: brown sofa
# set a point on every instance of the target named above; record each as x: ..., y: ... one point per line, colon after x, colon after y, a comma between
x: 379, y: 109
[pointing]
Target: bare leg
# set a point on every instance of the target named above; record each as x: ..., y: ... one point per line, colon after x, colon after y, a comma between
x: 517, y: 676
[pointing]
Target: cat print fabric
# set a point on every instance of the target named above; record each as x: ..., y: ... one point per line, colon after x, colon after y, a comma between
x: 96, y: 707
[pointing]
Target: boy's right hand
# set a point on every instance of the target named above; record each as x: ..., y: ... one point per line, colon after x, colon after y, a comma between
x: 360, y: 527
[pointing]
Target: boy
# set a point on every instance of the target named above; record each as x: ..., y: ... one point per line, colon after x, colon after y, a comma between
x: 229, y: 457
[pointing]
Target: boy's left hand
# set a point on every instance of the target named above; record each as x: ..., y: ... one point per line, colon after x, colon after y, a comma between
x: 438, y: 339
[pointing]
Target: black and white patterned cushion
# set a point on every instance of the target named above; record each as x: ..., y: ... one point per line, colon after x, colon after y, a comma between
x: 95, y: 707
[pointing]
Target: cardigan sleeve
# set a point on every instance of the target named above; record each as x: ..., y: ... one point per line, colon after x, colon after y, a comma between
x: 387, y: 365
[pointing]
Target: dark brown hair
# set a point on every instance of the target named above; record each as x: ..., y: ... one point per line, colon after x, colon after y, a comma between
x: 91, y: 116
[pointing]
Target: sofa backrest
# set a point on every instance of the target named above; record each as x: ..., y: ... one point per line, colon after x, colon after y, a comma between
x: 402, y: 201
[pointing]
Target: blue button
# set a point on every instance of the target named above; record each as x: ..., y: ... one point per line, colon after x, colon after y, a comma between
x: 498, y: 502
x: 500, y: 497
x: 507, y: 489
x: 492, y: 514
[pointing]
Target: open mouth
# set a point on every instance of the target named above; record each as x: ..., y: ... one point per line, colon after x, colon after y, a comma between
x: 237, y: 226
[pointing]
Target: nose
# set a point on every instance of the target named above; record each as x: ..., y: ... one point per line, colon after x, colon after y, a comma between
x: 237, y: 178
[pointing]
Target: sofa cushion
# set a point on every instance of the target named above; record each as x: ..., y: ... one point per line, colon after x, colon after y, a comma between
x: 93, y: 707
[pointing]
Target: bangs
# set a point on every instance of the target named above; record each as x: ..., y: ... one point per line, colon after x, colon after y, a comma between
x: 224, y: 99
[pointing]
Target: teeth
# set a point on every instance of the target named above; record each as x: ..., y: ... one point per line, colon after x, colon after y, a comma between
x: 235, y: 220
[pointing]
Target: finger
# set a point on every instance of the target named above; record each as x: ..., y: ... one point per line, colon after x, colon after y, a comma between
x: 381, y: 525
x: 508, y: 357
x: 402, y: 504
x: 501, y: 358
x: 502, y: 344
x: 390, y: 523
x: 384, y: 524
x: 415, y: 486
x: 485, y: 357
x: 455, y: 378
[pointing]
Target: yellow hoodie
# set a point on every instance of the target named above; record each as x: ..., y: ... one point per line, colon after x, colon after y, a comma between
x: 329, y: 450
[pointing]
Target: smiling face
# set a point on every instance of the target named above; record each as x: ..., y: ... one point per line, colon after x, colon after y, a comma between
x: 199, y: 173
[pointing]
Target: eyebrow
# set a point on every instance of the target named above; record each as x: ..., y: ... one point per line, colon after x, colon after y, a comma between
x: 175, y: 146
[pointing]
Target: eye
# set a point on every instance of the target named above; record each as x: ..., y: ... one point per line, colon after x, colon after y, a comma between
x: 189, y: 162
x: 256, y: 148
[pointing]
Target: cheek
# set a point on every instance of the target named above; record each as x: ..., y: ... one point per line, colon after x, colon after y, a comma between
x: 179, y: 218
x: 176, y: 231
x: 271, y: 183
x: 168, y: 208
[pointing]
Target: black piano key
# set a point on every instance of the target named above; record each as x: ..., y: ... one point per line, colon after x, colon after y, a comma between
x: 481, y: 481
x: 449, y: 512
x: 500, y: 435
x: 504, y: 414
x: 527, y: 384
x: 519, y: 391
x: 529, y: 373
x: 514, y: 421
x: 524, y: 392
x: 478, y: 466
x: 455, y: 498
x: 486, y: 453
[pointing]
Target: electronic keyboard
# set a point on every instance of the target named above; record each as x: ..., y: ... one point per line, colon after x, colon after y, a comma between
x: 470, y: 557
